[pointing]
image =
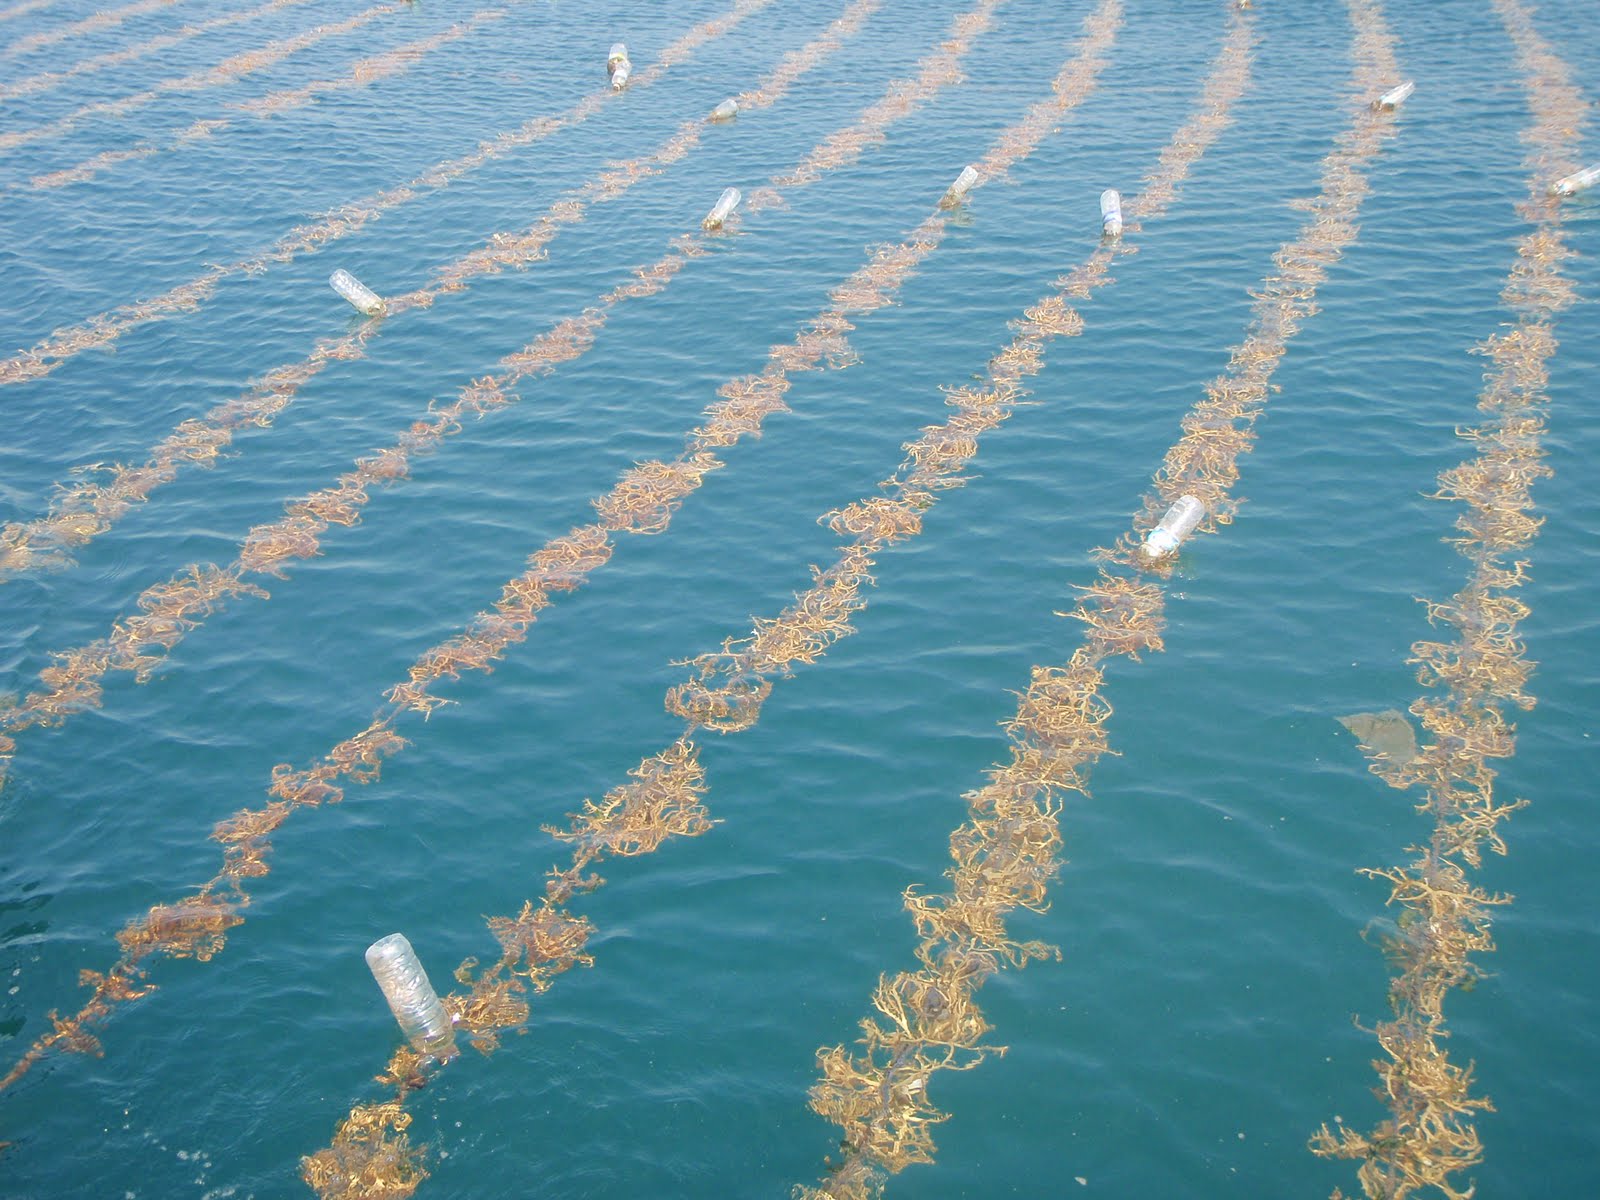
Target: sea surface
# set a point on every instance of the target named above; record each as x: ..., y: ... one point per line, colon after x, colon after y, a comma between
x: 1215, y: 993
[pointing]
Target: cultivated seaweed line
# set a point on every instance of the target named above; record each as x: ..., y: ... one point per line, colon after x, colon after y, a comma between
x: 664, y: 799
x: 1006, y: 854
x: 1430, y: 1135
x: 82, y: 511
x: 106, y: 327
x: 727, y: 689
x: 48, y: 80
x: 23, y: 9
x: 224, y: 72
x: 642, y: 501
x: 105, y: 19
x: 362, y: 73
x: 174, y: 607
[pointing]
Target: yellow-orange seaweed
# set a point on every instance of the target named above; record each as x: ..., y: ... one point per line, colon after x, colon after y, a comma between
x: 1005, y: 855
x: 663, y: 800
x: 371, y: 1157
x: 224, y: 72
x: 1430, y: 1136
x: 82, y: 512
x: 563, y: 564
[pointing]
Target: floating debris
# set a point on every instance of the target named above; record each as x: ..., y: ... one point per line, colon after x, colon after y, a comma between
x: 722, y: 209
x: 1170, y: 532
x: 411, y: 997
x: 1579, y: 181
x: 361, y: 297
x: 965, y: 182
x: 1111, y: 213
x: 618, y: 66
x: 1395, y: 97
x: 1388, y: 736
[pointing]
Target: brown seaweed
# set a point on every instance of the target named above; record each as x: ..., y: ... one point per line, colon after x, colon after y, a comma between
x: 641, y: 502
x: 1004, y: 857
x: 225, y: 72
x: 48, y: 80
x: 1430, y: 1136
x: 664, y: 798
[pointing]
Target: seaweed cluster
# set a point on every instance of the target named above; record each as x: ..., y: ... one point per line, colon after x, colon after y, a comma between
x: 1473, y: 679
x: 1004, y: 857
x: 46, y: 81
x: 641, y: 501
x: 926, y: 1020
x: 23, y: 8
x: 664, y: 797
x: 372, y: 1158
x: 225, y: 72
x: 193, y: 927
x: 366, y: 71
x: 105, y: 328
x: 362, y: 73
x: 562, y: 565
x: 542, y: 941
x: 85, y: 510
x: 937, y: 71
x: 104, y: 19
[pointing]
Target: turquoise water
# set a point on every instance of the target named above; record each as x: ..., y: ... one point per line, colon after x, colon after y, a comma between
x: 1200, y: 1024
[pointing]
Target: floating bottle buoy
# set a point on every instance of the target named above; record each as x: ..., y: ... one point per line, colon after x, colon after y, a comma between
x: 726, y: 203
x: 1580, y: 182
x: 1111, y: 213
x: 957, y: 192
x: 618, y: 66
x: 1178, y: 524
x: 359, y: 294
x: 1395, y: 97
x: 726, y: 111
x: 416, y: 1006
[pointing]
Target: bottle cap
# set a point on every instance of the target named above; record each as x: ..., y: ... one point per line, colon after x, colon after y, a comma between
x: 1159, y: 543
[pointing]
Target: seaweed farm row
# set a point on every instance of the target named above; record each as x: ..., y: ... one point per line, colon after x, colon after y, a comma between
x: 779, y: 451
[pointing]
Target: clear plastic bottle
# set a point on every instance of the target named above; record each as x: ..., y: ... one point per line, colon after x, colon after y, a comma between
x: 618, y: 66
x: 423, y: 1018
x: 726, y: 111
x: 726, y: 203
x: 359, y: 294
x: 1111, y: 213
x: 957, y: 192
x: 1170, y: 532
x: 1395, y: 97
x: 1581, y: 181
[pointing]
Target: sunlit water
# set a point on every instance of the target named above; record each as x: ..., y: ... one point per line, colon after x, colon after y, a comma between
x: 1200, y: 1024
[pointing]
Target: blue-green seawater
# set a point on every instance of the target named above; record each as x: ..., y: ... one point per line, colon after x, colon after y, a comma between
x: 1206, y: 1015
